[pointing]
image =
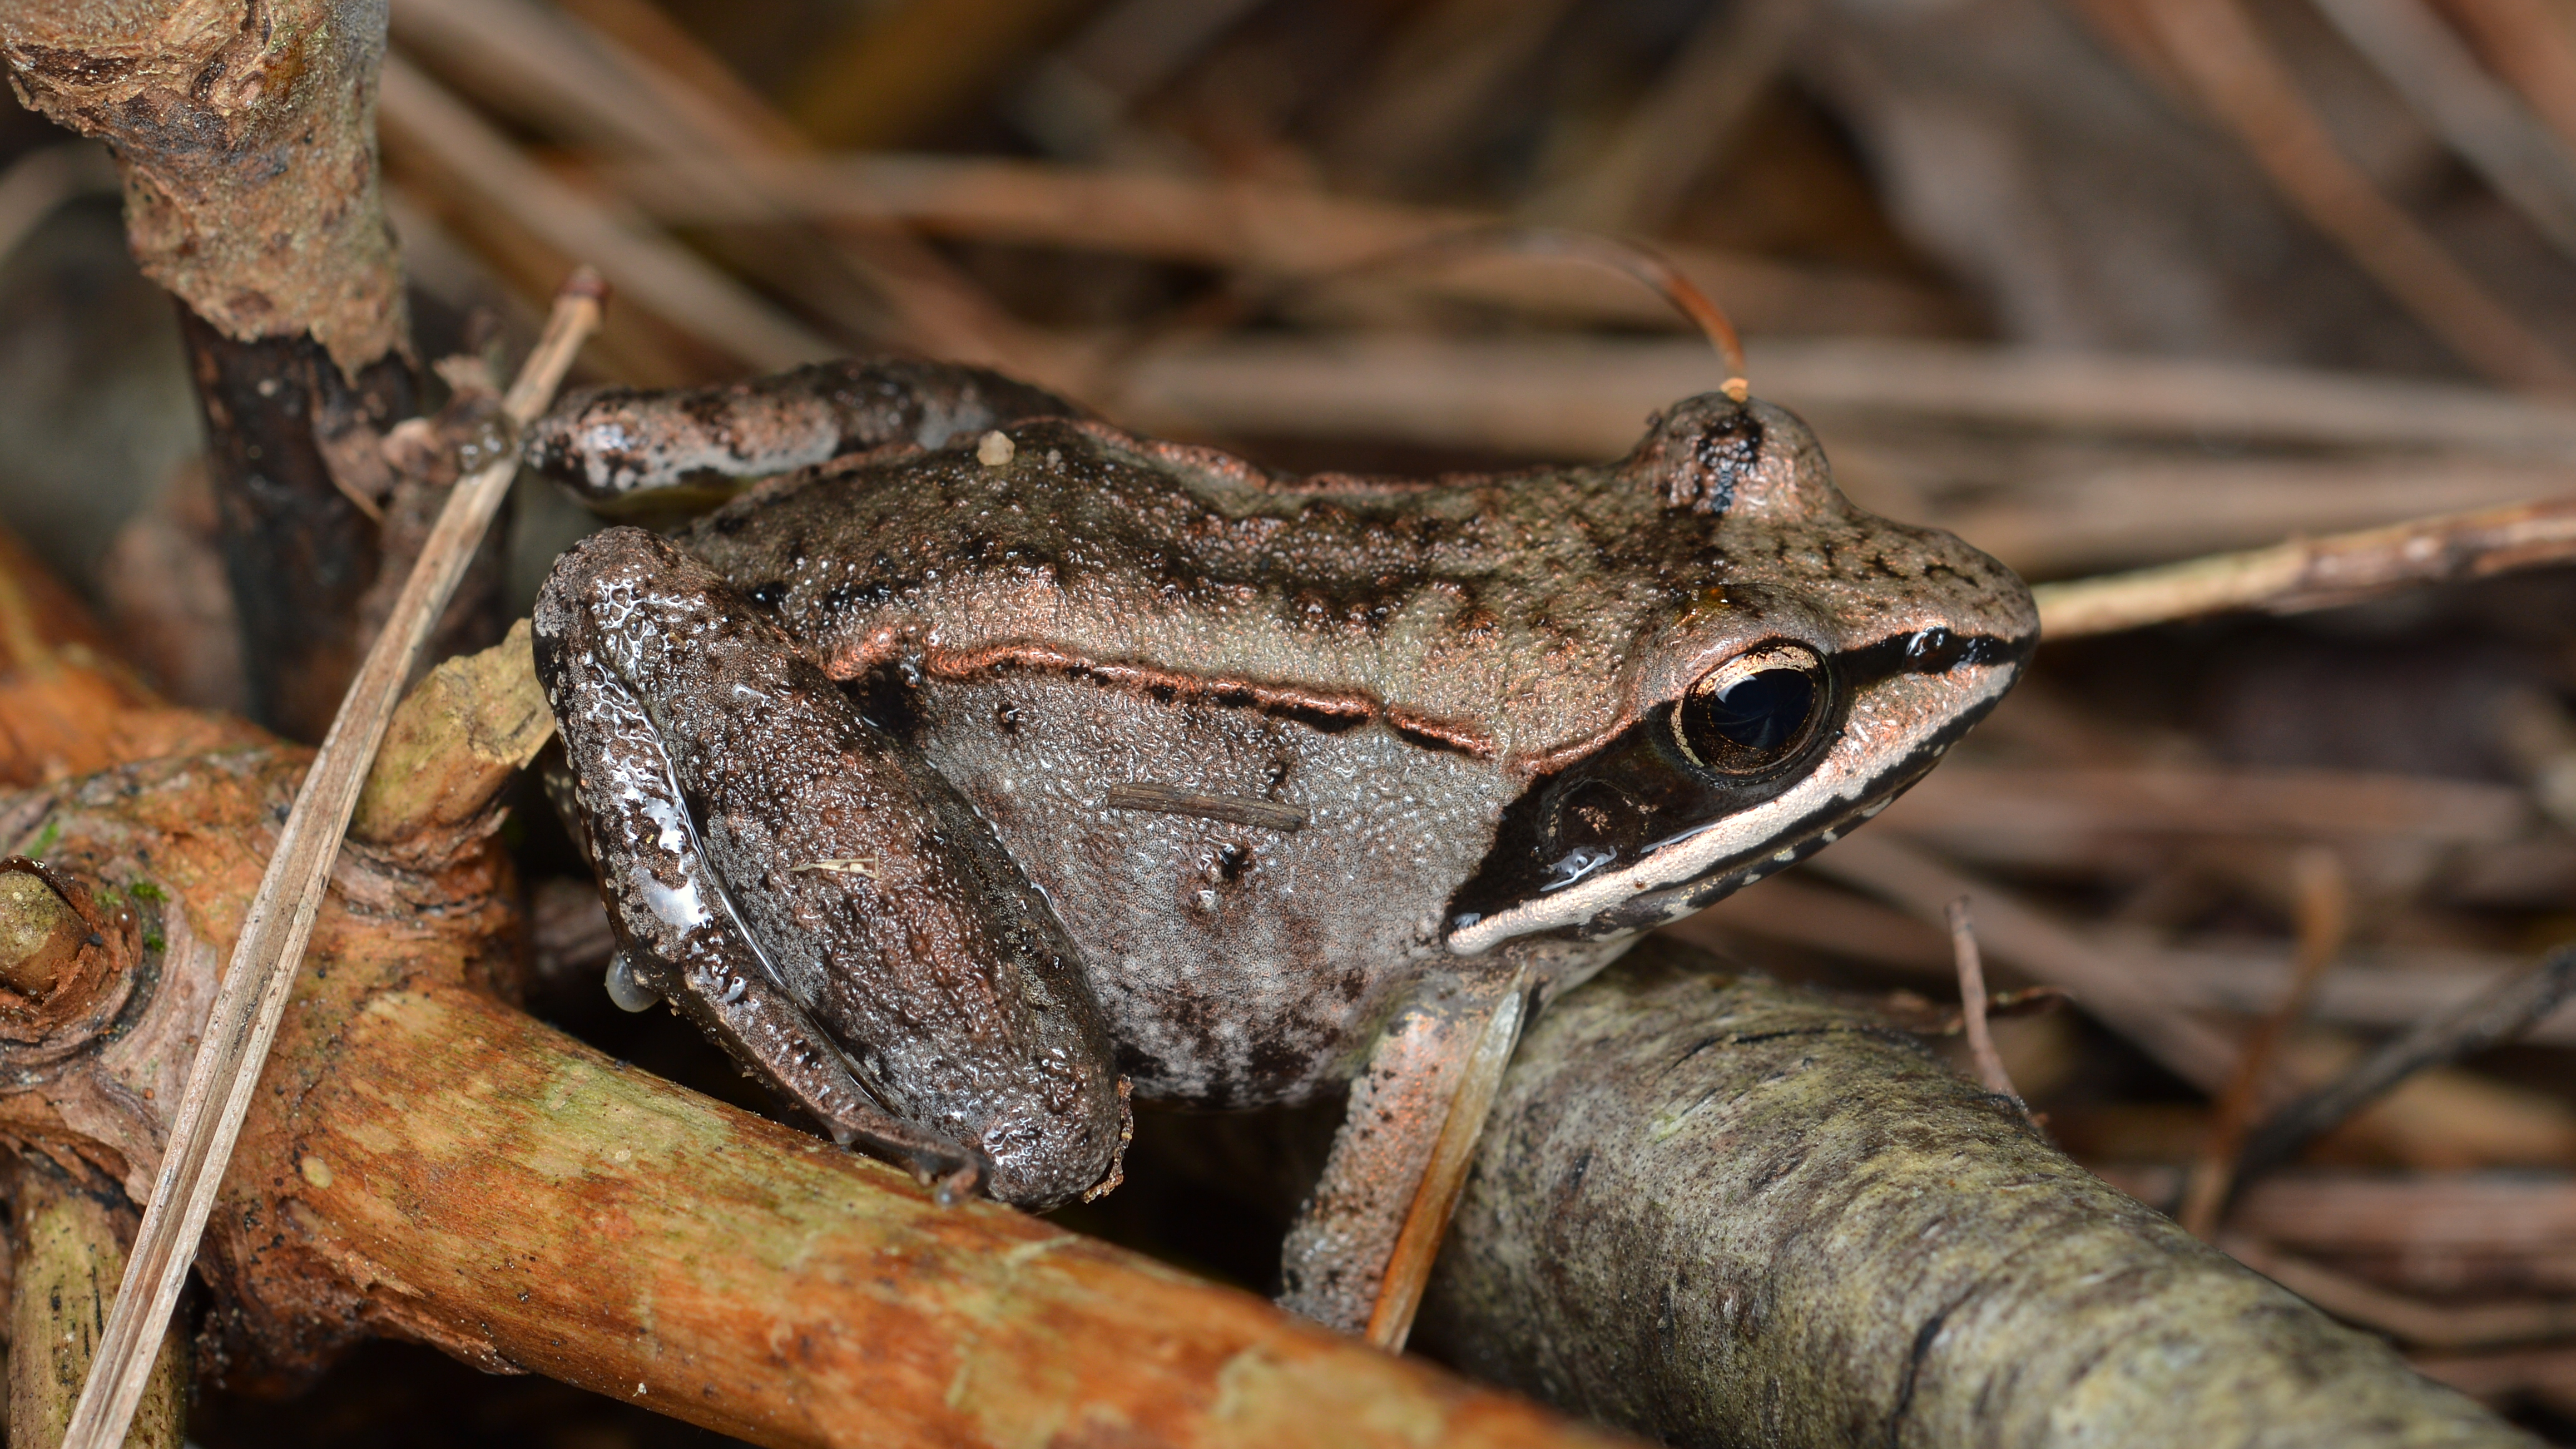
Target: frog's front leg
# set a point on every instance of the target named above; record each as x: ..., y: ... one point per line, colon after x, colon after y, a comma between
x: 812, y: 894
x: 621, y: 445
x: 1362, y: 1246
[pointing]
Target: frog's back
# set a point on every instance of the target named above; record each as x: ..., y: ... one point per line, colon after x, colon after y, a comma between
x: 1468, y: 610
x: 1243, y: 733
x: 1257, y: 738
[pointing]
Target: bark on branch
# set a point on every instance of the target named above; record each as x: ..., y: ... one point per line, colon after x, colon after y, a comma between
x: 1724, y: 1213
x: 245, y: 131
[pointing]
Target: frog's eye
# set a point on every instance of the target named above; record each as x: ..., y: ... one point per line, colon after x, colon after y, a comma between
x: 1752, y: 712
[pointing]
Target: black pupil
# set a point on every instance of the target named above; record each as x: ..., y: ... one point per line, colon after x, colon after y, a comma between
x: 1760, y: 715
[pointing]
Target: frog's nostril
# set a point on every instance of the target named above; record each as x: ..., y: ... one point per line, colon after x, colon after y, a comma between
x: 1934, y: 650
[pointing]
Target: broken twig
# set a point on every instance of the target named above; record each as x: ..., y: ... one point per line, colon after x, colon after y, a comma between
x: 2316, y: 573
x: 1972, y: 1004
x: 2325, y: 919
x: 2495, y: 1017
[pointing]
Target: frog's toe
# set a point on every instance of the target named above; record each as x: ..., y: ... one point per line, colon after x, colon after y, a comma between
x: 1041, y: 1159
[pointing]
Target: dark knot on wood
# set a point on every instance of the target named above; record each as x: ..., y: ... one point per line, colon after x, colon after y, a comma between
x: 67, y: 965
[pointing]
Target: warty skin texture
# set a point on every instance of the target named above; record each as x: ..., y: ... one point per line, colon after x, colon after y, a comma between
x: 1407, y: 675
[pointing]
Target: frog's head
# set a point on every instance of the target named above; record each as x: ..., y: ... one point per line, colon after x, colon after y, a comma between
x: 1806, y: 663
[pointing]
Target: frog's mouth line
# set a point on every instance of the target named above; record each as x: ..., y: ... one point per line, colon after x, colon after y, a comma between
x: 1698, y: 866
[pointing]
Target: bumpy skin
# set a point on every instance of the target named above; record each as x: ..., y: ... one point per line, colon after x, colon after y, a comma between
x: 1424, y: 678
x: 915, y: 991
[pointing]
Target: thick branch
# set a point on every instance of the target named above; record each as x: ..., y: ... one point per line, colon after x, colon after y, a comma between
x: 1724, y: 1213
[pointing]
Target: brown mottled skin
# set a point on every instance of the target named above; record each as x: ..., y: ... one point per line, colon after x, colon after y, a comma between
x: 1426, y: 670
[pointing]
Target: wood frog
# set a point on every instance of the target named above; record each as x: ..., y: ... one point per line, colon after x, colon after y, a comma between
x: 985, y: 763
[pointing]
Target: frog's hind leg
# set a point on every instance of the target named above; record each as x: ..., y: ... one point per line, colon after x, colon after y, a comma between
x: 806, y: 889
x: 1362, y: 1246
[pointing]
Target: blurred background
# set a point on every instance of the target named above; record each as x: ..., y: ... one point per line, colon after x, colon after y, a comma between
x: 2097, y: 284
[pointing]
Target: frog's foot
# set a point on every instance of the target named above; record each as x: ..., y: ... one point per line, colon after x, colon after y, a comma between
x: 1362, y: 1247
x: 813, y: 896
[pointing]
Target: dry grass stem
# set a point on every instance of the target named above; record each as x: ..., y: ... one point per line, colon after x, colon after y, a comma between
x: 2496, y: 1016
x: 1685, y: 124
x: 2215, y: 47
x: 2052, y: 805
x: 2103, y: 985
x: 2324, y: 897
x: 1972, y: 1004
x: 1584, y: 397
x: 1258, y: 227
x: 2408, y: 1320
x: 426, y: 127
x: 2316, y: 573
x: 649, y: 92
x: 2529, y: 44
x: 2478, y: 115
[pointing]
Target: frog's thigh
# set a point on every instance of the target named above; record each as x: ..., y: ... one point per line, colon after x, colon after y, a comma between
x: 1362, y: 1245
x: 911, y: 991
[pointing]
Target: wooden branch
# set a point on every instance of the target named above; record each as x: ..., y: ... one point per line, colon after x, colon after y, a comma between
x: 289, y: 437
x: 427, y: 1161
x: 65, y: 707
x: 1763, y: 1217
x: 248, y: 152
x: 235, y: 1039
x: 2316, y: 573
x: 456, y: 740
x: 68, y: 1248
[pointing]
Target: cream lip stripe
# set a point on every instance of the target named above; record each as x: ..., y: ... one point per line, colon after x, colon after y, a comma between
x: 1790, y: 824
